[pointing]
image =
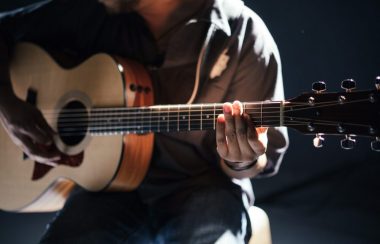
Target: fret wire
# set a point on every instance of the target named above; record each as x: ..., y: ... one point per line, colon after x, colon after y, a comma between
x: 214, y: 115
x: 142, y: 117
x: 134, y: 121
x: 201, y: 116
x: 150, y: 119
x: 189, y: 119
x: 178, y: 117
x: 159, y: 110
x: 168, y: 119
x: 261, y: 111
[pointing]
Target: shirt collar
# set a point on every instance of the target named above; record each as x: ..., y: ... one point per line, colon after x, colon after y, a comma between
x: 217, y: 14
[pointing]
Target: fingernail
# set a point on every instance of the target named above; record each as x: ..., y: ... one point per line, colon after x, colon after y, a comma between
x: 220, y: 118
x: 227, y: 108
x: 238, y: 107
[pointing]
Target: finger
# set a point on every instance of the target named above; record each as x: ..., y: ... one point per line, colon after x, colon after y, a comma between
x: 45, y: 126
x: 36, y: 152
x: 262, y: 130
x: 253, y: 140
x: 233, y: 146
x: 36, y: 134
x: 262, y: 135
x: 246, y: 151
x: 48, y: 132
x: 221, y: 143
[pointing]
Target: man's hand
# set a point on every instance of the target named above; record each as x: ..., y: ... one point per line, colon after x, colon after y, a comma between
x: 28, y: 129
x: 240, y: 145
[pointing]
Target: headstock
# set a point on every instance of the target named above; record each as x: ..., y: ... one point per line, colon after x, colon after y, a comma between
x: 349, y: 114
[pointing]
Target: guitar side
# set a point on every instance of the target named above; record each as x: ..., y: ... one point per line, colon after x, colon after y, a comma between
x: 105, y: 165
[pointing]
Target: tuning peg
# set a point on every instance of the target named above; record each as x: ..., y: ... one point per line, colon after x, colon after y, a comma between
x: 348, y: 85
x: 319, y: 86
x: 375, y: 145
x: 377, y: 83
x: 348, y: 143
x: 318, y: 141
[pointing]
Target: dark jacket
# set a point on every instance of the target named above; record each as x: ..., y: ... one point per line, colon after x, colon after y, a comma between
x: 224, y: 32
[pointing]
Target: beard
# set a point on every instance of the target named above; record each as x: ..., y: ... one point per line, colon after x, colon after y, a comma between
x: 119, y: 6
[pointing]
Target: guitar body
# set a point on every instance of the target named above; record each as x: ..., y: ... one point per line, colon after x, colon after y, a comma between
x: 101, y: 162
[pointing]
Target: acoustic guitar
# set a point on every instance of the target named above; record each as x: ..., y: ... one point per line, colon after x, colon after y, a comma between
x: 105, y: 118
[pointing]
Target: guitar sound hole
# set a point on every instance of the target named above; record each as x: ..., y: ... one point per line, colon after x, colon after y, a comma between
x: 73, y: 123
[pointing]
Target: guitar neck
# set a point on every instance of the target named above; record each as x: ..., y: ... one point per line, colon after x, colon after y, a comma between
x: 175, y: 118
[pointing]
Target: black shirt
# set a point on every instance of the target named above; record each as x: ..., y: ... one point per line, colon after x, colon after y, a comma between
x: 253, y: 72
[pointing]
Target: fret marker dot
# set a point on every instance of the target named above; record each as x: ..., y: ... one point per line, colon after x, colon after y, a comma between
x: 208, y: 116
x: 183, y: 117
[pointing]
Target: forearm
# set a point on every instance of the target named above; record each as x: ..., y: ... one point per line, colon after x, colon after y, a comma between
x: 5, y: 82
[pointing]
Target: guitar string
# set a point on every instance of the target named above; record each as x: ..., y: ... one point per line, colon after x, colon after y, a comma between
x: 194, y: 122
x: 165, y: 124
x: 167, y: 117
x: 208, y: 107
x: 146, y: 110
x: 156, y: 124
x: 137, y: 131
x: 150, y: 112
x: 330, y: 121
x: 151, y: 118
x: 322, y: 106
x: 148, y: 115
x: 139, y: 110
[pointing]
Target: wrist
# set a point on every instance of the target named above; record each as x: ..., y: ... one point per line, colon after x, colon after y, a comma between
x: 239, y: 166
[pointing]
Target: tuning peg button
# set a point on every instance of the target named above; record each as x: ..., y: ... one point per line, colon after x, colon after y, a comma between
x: 375, y: 145
x: 348, y: 85
x: 348, y: 143
x: 318, y: 141
x: 377, y: 83
x: 319, y: 86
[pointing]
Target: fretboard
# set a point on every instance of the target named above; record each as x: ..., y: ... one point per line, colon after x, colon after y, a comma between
x: 176, y: 118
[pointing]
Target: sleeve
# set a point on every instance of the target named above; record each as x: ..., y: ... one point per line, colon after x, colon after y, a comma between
x: 51, y: 23
x: 259, y: 77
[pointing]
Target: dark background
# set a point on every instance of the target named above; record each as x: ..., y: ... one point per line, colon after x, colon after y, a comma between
x: 326, y: 195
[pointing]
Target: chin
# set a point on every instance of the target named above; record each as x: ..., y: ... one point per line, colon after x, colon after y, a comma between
x: 119, y: 6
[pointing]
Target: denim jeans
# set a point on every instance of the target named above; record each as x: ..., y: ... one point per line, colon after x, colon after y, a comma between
x: 204, y: 214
